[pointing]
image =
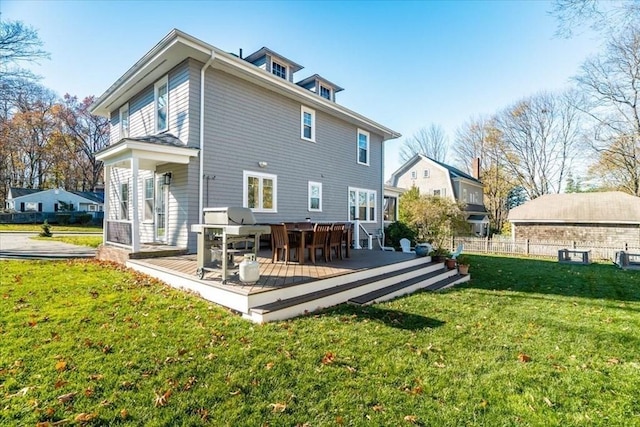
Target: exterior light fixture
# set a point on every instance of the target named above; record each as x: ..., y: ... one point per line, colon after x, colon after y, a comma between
x: 166, y: 178
x: 263, y: 164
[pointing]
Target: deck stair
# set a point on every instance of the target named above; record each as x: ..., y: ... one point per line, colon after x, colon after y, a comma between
x: 374, y: 285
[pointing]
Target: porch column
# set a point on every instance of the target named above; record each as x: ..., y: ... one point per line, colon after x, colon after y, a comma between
x: 105, y: 207
x: 135, y: 223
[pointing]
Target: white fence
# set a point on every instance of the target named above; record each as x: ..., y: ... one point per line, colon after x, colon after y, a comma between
x: 547, y: 249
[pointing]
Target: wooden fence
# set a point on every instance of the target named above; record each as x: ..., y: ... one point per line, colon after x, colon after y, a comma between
x: 541, y: 249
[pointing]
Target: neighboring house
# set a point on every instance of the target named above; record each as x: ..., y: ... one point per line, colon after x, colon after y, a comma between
x: 608, y: 217
x: 53, y: 200
x: 438, y: 179
x: 391, y: 205
x: 193, y: 126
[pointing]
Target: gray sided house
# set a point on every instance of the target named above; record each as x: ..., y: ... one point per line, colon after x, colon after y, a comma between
x: 435, y: 178
x: 611, y: 218
x: 193, y: 127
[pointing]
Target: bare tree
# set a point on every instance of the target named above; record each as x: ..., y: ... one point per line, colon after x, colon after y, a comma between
x: 612, y: 83
x: 429, y: 141
x: 540, y: 137
x: 604, y: 17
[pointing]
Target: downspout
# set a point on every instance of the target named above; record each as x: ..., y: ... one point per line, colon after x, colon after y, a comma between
x: 201, y: 177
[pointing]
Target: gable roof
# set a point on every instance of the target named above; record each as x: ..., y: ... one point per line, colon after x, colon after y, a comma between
x: 453, y: 172
x: 613, y: 207
x: 177, y: 46
x: 94, y: 196
x: 19, y: 192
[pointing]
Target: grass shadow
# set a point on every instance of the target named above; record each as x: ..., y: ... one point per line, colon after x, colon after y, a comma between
x: 596, y: 281
x: 392, y: 318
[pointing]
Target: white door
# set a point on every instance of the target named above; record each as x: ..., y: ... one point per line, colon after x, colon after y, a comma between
x: 161, y: 220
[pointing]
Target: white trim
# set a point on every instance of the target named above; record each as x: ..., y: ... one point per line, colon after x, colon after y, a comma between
x: 245, y: 193
x: 311, y: 112
x: 320, y: 87
x: 312, y: 184
x: 129, y: 149
x: 157, y: 85
x: 124, y: 132
x: 365, y: 133
x: 368, y: 192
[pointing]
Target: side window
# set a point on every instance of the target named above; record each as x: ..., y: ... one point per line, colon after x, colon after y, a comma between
x: 260, y: 191
x: 161, y: 97
x: 315, y: 196
x: 124, y: 121
x: 124, y: 200
x: 363, y: 147
x: 307, y: 124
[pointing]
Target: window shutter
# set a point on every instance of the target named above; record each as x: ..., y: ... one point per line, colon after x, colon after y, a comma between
x: 55, y: 207
x: 39, y: 207
x: 21, y: 206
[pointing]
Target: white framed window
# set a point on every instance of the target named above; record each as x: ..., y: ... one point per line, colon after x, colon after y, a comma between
x: 124, y: 121
x: 307, y: 124
x: 124, y: 200
x: 363, y: 147
x: 325, y: 92
x: 31, y: 207
x: 161, y: 102
x: 149, y: 199
x: 390, y: 205
x: 414, y: 174
x: 362, y: 204
x: 436, y: 192
x: 279, y: 69
x: 315, y: 196
x: 260, y: 191
x: 93, y: 208
x: 426, y: 173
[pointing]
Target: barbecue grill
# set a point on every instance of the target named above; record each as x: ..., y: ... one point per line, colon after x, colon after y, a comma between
x: 224, y: 227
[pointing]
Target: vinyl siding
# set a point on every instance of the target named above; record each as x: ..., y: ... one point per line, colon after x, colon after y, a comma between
x: 246, y: 124
x: 438, y: 179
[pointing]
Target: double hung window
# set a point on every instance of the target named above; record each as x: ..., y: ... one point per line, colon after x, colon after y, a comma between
x: 307, y: 124
x: 315, y: 196
x: 363, y: 147
x: 161, y: 95
x: 362, y: 204
x: 260, y: 191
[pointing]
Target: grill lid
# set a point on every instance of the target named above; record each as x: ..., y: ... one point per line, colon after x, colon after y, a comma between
x: 229, y: 216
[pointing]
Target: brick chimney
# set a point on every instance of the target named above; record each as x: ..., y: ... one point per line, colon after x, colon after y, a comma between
x: 475, y: 168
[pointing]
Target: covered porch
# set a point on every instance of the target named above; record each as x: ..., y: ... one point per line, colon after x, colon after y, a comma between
x: 145, y: 179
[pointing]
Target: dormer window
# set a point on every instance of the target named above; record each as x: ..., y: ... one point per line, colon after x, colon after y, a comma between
x: 325, y: 92
x: 279, y: 70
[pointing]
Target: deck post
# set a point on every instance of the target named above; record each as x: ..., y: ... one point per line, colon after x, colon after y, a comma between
x: 356, y: 234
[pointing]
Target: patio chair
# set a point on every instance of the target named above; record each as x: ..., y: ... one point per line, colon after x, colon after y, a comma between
x: 280, y: 243
x: 405, y: 244
x: 334, y: 242
x: 458, y: 251
x: 318, y: 241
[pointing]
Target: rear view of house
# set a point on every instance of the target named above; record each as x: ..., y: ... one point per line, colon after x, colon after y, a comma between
x: 193, y: 127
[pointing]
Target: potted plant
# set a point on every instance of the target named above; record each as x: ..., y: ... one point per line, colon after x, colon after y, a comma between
x: 463, y: 264
x: 439, y: 254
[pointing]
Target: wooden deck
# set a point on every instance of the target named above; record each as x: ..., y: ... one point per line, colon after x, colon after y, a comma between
x: 276, y: 275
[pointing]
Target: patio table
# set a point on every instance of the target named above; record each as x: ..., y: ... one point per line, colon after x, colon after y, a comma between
x: 302, y: 236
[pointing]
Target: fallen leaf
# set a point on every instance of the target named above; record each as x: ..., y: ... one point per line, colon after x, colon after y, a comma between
x: 524, y: 358
x: 328, y: 358
x: 88, y: 392
x: 378, y: 408
x: 124, y: 414
x: 96, y: 377
x: 351, y: 369
x: 547, y: 401
x: 162, y: 399
x: 269, y: 365
x: 235, y: 393
x: 61, y: 365
x: 483, y: 403
x: 614, y: 361
x: 278, y: 407
x: 20, y: 392
x: 439, y: 365
x: 339, y: 420
x: 65, y: 398
x: 411, y: 419
x: 60, y: 383
x: 85, y: 417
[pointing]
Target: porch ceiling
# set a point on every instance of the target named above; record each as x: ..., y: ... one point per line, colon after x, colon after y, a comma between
x: 149, y: 155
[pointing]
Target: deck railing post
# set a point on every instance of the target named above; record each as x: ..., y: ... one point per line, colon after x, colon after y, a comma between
x: 356, y: 234
x: 528, y: 247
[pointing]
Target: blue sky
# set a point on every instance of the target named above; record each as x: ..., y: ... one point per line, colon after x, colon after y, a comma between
x: 403, y: 64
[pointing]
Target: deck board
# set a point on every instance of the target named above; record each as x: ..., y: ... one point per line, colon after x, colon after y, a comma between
x: 277, y: 274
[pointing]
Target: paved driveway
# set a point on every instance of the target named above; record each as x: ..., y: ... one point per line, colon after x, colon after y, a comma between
x: 21, y: 246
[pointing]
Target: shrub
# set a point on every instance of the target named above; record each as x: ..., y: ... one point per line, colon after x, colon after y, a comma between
x: 46, y: 229
x: 84, y: 218
x: 63, y: 219
x: 399, y: 230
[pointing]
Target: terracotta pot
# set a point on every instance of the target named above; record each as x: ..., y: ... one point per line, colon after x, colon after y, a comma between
x: 450, y: 263
x: 463, y: 269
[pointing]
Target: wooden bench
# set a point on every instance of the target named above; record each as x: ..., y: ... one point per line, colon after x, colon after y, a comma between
x: 574, y: 256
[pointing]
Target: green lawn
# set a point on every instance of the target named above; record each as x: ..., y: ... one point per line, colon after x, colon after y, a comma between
x: 54, y: 228
x: 91, y: 241
x: 527, y: 342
